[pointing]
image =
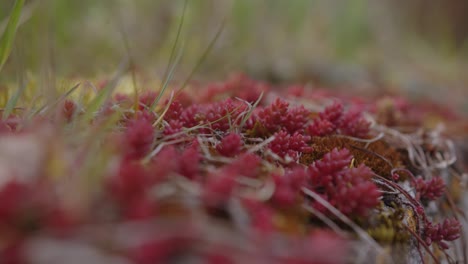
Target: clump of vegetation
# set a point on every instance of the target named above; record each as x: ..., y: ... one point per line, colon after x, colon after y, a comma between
x: 224, y: 173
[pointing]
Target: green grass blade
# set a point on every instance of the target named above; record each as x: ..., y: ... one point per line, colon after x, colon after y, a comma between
x: 176, y: 41
x: 171, y: 65
x: 60, y: 99
x: 45, y: 108
x: 26, y: 14
x: 203, y: 56
x: 126, y: 42
x: 6, y: 42
x: 168, y: 79
x: 13, y: 100
x: 105, y: 93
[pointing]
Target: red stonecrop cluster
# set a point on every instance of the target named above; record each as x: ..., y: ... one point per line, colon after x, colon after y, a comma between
x: 13, y: 204
x: 222, y: 116
x: 279, y: 116
x: 139, y: 136
x: 147, y: 99
x: 429, y: 190
x: 238, y: 85
x: 333, y: 119
x: 213, y: 176
x: 26, y: 210
x: 349, y: 189
x: 69, y: 109
x: 230, y: 145
x: 288, y: 186
x: 441, y: 233
x: 129, y: 187
x: 217, y: 116
x: 287, y: 145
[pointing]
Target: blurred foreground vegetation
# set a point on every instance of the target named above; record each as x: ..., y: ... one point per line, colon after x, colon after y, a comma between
x: 415, y: 46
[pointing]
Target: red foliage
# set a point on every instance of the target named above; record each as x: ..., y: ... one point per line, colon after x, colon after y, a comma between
x: 245, y: 88
x: 190, y: 115
x: 170, y: 160
x: 331, y: 163
x: 223, y: 115
x: 278, y: 116
x: 60, y: 221
x: 288, y: 186
x: 292, y: 146
x: 164, y: 163
x: 440, y: 233
x: 158, y: 251
x: 327, y: 247
x: 321, y: 247
x: 188, y: 162
x: 174, y: 111
x: 354, y: 124
x: 220, y: 116
x: 219, y: 186
x: 297, y: 117
x: 230, y: 145
x: 129, y: 188
x: 24, y: 208
x: 13, y: 202
x: 13, y: 253
x: 350, y: 190
x: 261, y: 216
x: 122, y: 99
x: 130, y: 182
x: 247, y: 164
x: 333, y: 119
x: 139, y: 208
x: 185, y: 176
x: 429, y: 189
x: 68, y: 109
x: 355, y: 193
x: 10, y: 124
x: 333, y: 113
x: 173, y: 127
x: 238, y: 85
x: 320, y: 127
x: 138, y: 137
x: 218, y: 258
x: 146, y: 99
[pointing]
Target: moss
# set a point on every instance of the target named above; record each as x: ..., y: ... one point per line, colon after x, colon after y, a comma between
x: 375, y: 155
x: 389, y: 227
x: 291, y: 221
x: 258, y: 130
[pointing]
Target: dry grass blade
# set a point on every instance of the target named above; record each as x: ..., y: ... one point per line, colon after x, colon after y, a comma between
x: 250, y: 111
x: 165, y: 110
x: 12, y: 101
x: 46, y: 107
x: 324, y: 219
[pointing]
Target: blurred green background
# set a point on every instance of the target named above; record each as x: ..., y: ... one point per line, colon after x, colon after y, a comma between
x: 413, y: 46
